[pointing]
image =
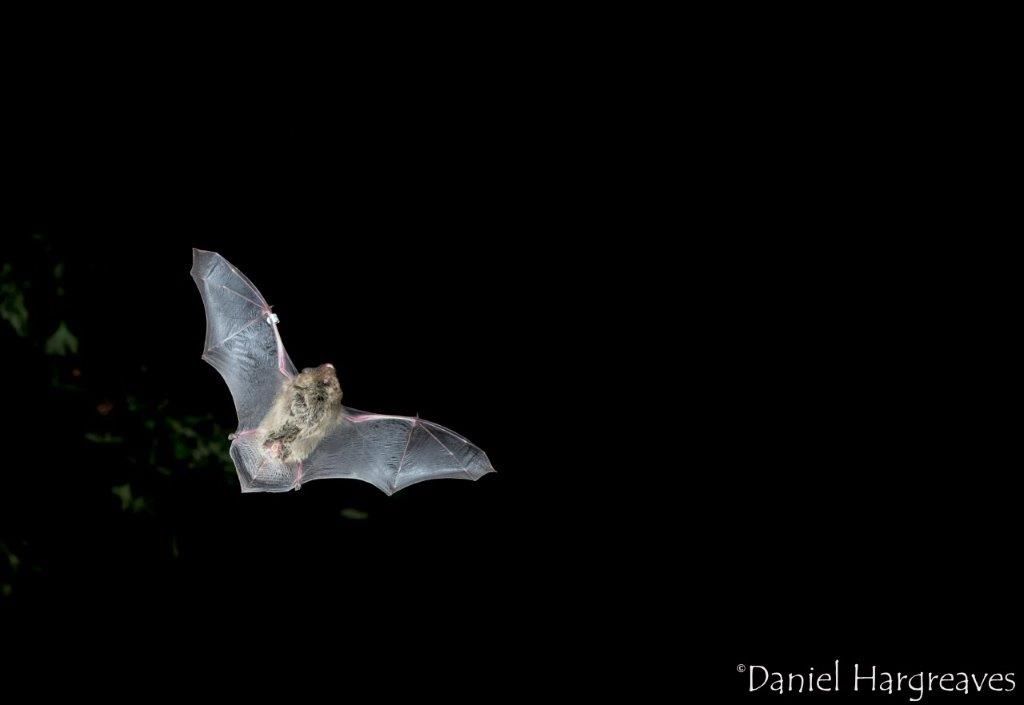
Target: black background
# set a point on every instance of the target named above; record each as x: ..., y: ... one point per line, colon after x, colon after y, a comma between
x: 743, y: 406
x: 419, y: 237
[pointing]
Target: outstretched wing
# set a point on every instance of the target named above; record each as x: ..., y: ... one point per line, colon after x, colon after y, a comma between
x: 392, y: 452
x: 242, y: 341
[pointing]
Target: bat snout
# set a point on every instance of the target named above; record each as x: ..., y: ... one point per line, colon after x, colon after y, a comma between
x: 326, y: 374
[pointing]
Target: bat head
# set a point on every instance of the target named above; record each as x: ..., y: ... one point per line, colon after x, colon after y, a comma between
x: 322, y: 378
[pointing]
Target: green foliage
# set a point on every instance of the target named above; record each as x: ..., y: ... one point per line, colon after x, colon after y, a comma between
x: 12, y: 559
x: 12, y: 301
x: 128, y: 502
x: 198, y: 448
x: 61, y: 342
x: 103, y: 438
x: 139, y: 444
x: 7, y: 572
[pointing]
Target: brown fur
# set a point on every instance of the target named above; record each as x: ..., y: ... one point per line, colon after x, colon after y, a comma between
x: 306, y: 408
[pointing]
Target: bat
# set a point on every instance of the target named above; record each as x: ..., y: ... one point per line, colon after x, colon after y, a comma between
x: 292, y: 427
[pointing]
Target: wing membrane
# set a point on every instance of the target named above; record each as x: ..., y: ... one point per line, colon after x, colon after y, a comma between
x: 242, y: 342
x: 393, y: 452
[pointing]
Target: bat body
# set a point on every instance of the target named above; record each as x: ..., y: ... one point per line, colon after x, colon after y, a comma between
x: 306, y: 409
x: 292, y: 426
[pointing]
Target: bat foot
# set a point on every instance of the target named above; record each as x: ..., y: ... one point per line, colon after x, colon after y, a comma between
x: 258, y: 468
x: 275, y: 449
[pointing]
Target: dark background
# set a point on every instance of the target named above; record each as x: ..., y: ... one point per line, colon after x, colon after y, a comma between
x: 737, y: 364
x: 423, y: 240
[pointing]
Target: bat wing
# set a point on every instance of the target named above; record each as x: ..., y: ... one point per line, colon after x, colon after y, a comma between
x: 242, y: 341
x: 393, y: 452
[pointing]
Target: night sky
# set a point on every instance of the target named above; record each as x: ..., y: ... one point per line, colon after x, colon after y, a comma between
x: 734, y: 418
x: 424, y: 268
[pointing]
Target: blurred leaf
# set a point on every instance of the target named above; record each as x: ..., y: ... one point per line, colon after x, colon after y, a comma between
x: 181, y: 450
x: 12, y: 559
x: 61, y: 342
x: 124, y: 493
x: 12, y: 303
x: 6, y: 589
x: 181, y: 429
x: 128, y: 502
x: 354, y: 514
x: 105, y: 438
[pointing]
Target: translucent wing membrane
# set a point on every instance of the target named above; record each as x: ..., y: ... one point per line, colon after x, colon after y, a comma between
x: 242, y: 342
x: 389, y: 452
x: 392, y: 452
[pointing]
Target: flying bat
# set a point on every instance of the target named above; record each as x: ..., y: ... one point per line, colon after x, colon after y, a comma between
x: 292, y: 427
